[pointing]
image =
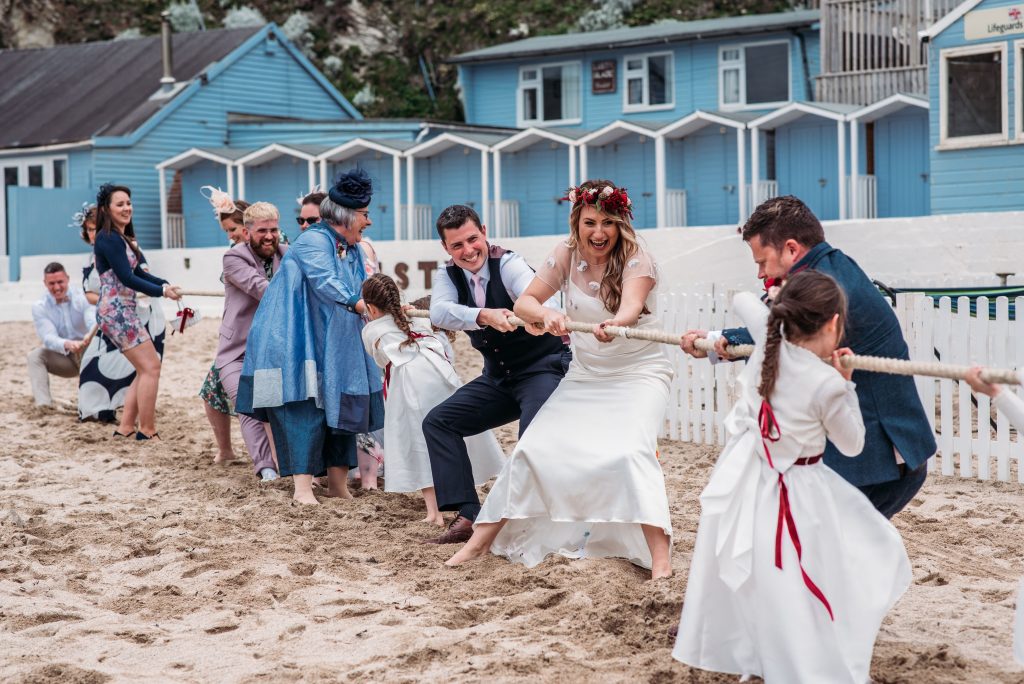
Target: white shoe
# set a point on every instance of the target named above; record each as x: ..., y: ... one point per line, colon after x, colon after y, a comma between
x: 268, y: 474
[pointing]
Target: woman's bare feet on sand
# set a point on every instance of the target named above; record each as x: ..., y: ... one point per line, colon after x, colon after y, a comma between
x: 478, y: 544
x: 467, y: 553
x: 337, y: 483
x: 224, y: 459
x: 304, y: 489
x: 305, y: 498
x: 661, y: 571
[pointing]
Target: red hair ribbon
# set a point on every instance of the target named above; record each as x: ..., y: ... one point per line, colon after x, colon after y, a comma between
x: 770, y: 432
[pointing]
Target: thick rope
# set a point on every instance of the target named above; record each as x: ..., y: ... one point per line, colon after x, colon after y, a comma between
x: 869, y: 363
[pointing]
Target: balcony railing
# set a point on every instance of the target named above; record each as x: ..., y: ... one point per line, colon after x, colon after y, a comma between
x: 175, y: 231
x: 868, y: 87
x: 676, y: 206
x: 509, y: 226
x: 865, y: 204
x: 422, y: 222
x: 766, y: 189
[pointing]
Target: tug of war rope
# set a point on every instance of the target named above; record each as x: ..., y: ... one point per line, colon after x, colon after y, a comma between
x: 874, y: 364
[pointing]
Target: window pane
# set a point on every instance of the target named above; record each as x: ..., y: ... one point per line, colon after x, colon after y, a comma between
x: 58, y: 173
x: 571, y: 91
x: 657, y: 80
x: 730, y: 55
x: 552, y: 101
x: 635, y: 91
x: 731, y: 86
x: 530, y: 75
x: 35, y: 176
x: 767, y: 73
x: 634, y: 65
x: 975, y: 93
x: 10, y: 176
x: 530, y: 104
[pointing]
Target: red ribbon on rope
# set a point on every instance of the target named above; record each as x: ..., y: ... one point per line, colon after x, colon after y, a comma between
x: 184, y: 315
x: 770, y: 433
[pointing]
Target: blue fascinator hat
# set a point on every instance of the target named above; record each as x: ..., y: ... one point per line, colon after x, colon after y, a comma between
x: 353, y: 189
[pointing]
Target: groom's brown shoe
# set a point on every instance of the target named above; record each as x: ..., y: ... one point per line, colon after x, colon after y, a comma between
x: 458, y: 532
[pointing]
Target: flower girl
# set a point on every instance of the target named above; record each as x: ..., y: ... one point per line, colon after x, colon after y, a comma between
x: 793, y: 569
x: 417, y: 377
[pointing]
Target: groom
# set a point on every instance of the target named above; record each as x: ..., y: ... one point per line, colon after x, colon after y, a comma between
x: 475, y: 292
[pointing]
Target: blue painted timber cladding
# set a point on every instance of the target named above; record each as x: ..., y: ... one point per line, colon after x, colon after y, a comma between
x: 807, y: 164
x: 629, y: 163
x: 980, y: 178
x: 280, y: 181
x: 202, y: 228
x: 708, y: 175
x: 382, y: 209
x: 537, y: 178
x: 33, y: 212
x: 901, y: 163
x: 450, y: 177
x: 255, y: 135
x: 80, y: 169
x: 491, y: 89
x: 286, y: 89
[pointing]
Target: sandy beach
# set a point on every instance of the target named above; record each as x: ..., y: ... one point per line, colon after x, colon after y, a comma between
x: 129, y: 561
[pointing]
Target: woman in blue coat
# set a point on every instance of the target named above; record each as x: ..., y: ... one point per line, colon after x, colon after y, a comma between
x: 305, y: 371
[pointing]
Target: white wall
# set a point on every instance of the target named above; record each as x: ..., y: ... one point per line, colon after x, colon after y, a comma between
x: 921, y: 250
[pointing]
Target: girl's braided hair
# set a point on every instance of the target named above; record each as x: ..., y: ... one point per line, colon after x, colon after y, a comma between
x: 805, y: 303
x: 381, y: 291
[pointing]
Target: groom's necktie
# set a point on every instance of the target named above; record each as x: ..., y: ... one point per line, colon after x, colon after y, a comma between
x: 478, y: 290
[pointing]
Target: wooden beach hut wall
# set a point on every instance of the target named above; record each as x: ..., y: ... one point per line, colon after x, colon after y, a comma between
x: 532, y: 170
x: 889, y: 167
x: 626, y: 153
x: 976, y: 94
x: 383, y: 160
x: 805, y: 154
x: 450, y: 168
x: 706, y: 159
x: 182, y: 176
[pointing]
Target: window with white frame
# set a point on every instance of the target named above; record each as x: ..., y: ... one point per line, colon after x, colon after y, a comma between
x: 973, y: 95
x: 1018, y: 50
x: 549, y: 94
x: 753, y: 75
x: 648, y: 82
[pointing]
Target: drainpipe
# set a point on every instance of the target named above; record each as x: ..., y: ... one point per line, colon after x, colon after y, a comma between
x: 807, y: 69
x: 167, y: 81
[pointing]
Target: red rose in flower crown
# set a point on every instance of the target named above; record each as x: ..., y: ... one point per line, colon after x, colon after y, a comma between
x: 610, y: 200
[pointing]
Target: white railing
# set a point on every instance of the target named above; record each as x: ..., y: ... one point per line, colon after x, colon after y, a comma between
x: 509, y: 219
x: 422, y: 222
x: 676, y: 207
x: 702, y: 394
x: 766, y: 189
x: 175, y: 231
x: 866, y: 204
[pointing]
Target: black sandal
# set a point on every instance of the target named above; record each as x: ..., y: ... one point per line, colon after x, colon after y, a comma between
x: 141, y: 436
x: 121, y: 434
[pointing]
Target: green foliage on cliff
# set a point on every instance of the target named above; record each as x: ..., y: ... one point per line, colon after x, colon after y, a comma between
x: 388, y: 56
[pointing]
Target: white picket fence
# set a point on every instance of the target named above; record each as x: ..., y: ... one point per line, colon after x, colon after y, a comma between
x: 702, y: 394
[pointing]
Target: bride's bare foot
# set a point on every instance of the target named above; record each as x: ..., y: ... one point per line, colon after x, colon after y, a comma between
x: 434, y: 519
x: 465, y: 554
x: 661, y: 571
x: 223, y: 459
x: 305, y: 498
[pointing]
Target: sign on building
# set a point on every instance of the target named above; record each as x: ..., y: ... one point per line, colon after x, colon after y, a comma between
x: 994, y: 23
x: 602, y: 76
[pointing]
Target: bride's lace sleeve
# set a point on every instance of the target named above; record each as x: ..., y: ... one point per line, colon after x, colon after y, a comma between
x: 640, y: 265
x: 554, y: 272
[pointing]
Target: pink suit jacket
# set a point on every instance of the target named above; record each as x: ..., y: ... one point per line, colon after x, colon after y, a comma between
x: 244, y: 284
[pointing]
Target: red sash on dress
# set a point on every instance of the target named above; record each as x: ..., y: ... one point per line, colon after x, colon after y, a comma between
x: 770, y: 433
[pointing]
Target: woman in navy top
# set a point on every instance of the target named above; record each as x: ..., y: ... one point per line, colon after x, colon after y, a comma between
x: 119, y: 263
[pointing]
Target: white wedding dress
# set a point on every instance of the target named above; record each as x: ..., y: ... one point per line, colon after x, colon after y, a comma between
x: 585, y: 474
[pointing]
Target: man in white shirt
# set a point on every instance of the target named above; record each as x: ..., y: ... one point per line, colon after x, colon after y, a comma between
x: 60, y: 319
x: 475, y: 292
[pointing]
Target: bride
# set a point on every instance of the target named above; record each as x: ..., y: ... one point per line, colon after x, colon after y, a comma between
x: 584, y: 480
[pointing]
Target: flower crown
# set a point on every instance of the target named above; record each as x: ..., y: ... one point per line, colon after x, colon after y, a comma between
x: 608, y: 199
x: 220, y: 200
x: 78, y: 218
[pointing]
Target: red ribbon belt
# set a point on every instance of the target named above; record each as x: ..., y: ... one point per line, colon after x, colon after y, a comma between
x: 770, y: 433
x: 387, y: 369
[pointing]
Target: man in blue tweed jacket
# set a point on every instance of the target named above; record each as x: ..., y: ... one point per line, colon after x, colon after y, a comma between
x: 785, y: 238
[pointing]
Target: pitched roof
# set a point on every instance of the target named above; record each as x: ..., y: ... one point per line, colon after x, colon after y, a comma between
x: 70, y: 93
x: 661, y: 32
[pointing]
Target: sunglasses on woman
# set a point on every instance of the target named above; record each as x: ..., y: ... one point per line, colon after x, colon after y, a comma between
x: 308, y: 221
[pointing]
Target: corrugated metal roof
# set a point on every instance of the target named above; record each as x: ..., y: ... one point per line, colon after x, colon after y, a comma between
x: 70, y: 93
x: 662, y: 32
